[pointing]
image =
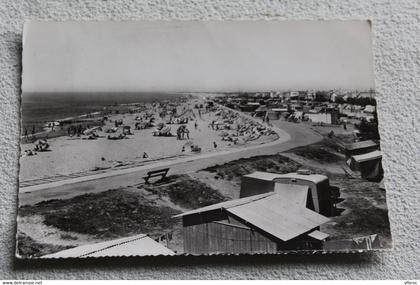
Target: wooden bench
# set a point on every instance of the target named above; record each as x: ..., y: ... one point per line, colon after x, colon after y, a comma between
x: 156, y: 173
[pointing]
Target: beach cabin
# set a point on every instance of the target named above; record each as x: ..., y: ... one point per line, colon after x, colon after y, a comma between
x: 360, y: 148
x: 321, y: 197
x: 369, y: 165
x: 138, y: 245
x: 264, y: 223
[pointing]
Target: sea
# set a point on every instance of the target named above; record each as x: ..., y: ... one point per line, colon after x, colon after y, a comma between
x: 39, y: 108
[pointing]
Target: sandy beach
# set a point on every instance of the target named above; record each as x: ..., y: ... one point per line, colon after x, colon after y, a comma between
x: 75, y: 154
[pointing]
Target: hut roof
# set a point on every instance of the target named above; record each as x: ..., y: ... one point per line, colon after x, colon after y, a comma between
x: 139, y: 245
x: 316, y: 178
x: 318, y: 235
x: 262, y: 175
x: 272, y: 213
x: 225, y: 205
x: 360, y: 145
x: 367, y: 156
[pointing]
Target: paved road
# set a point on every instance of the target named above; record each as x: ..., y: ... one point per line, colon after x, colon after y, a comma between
x: 291, y: 135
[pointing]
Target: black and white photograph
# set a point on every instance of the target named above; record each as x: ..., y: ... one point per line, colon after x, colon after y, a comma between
x: 148, y: 138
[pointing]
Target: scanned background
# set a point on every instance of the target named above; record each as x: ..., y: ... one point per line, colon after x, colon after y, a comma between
x: 396, y: 28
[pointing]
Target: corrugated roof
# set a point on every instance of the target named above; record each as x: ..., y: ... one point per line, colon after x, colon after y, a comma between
x: 367, y: 156
x: 278, y: 217
x: 362, y: 144
x: 139, y: 245
x: 318, y: 235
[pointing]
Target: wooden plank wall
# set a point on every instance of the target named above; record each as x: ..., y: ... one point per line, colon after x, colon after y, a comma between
x: 225, y: 238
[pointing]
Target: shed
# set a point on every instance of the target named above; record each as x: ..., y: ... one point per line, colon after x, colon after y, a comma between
x: 139, y: 245
x: 263, y: 223
x: 369, y: 164
x: 361, y: 147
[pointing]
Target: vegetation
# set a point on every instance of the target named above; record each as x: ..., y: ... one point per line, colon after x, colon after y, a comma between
x: 268, y: 163
x: 369, y: 130
x: 112, y: 213
x: 187, y: 193
x: 321, y: 152
x: 28, y: 247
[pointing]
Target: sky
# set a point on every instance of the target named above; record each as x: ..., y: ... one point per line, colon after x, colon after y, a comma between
x: 196, y: 56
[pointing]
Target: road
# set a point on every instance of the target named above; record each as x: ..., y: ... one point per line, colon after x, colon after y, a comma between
x: 291, y: 135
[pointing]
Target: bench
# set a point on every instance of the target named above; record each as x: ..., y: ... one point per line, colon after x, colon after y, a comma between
x: 156, y: 173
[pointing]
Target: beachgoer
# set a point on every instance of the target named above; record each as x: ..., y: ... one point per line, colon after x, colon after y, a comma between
x: 178, y: 133
x: 214, y: 144
x: 183, y: 149
x: 79, y: 130
x: 33, y: 132
x: 195, y: 125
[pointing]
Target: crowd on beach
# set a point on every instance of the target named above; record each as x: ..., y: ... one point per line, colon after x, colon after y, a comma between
x: 179, y: 114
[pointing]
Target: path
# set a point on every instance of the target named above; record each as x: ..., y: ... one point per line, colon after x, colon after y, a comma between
x: 291, y: 135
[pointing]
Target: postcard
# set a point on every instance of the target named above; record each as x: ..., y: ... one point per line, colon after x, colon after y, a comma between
x: 156, y: 138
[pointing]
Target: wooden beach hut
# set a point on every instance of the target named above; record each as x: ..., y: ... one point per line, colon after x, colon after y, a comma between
x: 369, y: 165
x: 361, y: 147
x: 265, y: 223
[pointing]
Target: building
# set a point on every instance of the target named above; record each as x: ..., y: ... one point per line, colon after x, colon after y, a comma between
x: 321, y: 196
x: 249, y: 107
x: 265, y: 223
x: 139, y: 245
x: 319, y: 117
x: 360, y: 148
x: 369, y: 165
x: 276, y: 113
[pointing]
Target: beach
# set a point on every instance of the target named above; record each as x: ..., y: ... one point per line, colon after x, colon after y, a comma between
x: 77, y: 154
